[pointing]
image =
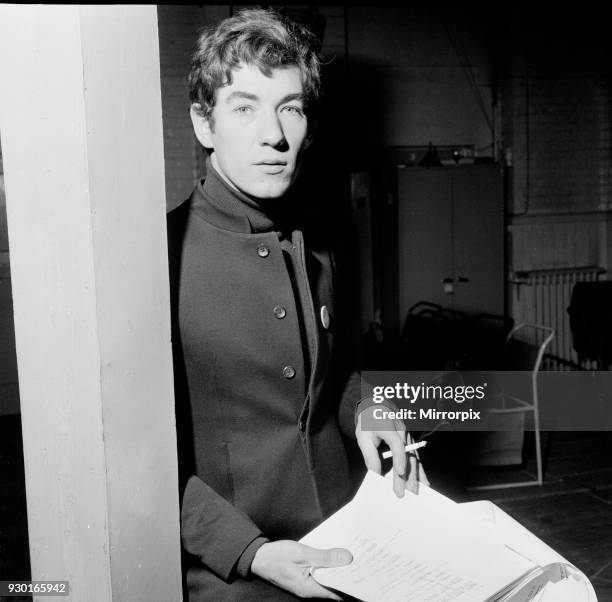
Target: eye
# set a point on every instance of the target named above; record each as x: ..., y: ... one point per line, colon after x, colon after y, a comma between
x: 243, y: 110
x: 293, y: 110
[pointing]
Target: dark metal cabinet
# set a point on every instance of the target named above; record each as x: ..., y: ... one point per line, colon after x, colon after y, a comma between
x: 450, y: 238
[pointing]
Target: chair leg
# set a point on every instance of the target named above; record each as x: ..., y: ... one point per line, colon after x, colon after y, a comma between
x: 538, y: 446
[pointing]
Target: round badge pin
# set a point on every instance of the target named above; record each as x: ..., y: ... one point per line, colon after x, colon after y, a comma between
x: 325, y: 317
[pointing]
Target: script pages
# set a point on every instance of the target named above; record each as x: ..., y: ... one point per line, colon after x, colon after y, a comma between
x: 555, y: 579
x: 423, y: 548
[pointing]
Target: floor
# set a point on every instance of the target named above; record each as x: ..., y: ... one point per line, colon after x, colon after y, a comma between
x: 572, y: 511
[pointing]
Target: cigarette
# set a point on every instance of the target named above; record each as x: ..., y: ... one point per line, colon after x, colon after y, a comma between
x: 408, y: 448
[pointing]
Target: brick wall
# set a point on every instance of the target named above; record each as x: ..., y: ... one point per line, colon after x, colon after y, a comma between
x: 178, y: 30
x: 409, y: 66
x: 561, y: 132
x: 556, y: 134
x: 556, y: 126
x: 177, y: 33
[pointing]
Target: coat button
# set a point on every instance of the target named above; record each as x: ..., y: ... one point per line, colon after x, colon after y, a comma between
x: 325, y: 319
x: 303, y: 421
x: 288, y: 372
x: 280, y: 312
x: 263, y: 251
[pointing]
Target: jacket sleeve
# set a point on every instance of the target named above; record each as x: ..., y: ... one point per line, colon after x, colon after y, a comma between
x: 353, y: 402
x: 215, y: 531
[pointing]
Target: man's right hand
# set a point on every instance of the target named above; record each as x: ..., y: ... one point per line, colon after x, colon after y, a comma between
x: 288, y: 563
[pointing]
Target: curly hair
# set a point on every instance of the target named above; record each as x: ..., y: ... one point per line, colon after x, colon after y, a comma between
x: 258, y: 37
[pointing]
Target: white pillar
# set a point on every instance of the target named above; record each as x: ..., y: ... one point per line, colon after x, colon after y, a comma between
x: 81, y: 133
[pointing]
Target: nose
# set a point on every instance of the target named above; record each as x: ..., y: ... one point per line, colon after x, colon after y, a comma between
x: 271, y: 130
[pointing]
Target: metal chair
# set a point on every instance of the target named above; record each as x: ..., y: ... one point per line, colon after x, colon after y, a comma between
x: 524, y: 356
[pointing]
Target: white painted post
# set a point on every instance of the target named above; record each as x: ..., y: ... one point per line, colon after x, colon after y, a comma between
x: 81, y: 133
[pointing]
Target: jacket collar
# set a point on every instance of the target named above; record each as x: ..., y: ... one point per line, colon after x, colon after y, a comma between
x: 218, y: 203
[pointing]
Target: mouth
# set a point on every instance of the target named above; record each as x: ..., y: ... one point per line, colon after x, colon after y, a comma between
x: 271, y: 168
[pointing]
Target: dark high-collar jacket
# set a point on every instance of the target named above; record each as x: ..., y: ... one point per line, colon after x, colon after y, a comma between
x: 263, y: 382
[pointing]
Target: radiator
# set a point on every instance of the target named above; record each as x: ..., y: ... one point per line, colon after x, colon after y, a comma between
x: 543, y: 296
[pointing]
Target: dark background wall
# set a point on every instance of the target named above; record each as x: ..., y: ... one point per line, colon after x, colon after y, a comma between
x: 420, y: 75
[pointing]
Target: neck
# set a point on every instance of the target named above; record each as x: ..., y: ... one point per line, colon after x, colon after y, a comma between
x: 262, y: 214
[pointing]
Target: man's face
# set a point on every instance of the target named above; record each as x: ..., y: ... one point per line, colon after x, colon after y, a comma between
x: 258, y: 130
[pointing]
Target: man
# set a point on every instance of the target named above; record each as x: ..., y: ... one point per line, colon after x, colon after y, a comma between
x: 264, y: 386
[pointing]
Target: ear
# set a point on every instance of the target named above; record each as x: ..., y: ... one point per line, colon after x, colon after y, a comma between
x: 201, y: 125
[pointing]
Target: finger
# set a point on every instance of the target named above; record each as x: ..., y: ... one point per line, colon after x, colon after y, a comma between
x: 395, y: 441
x: 328, y: 558
x: 412, y: 482
x: 370, y: 454
x: 400, y: 427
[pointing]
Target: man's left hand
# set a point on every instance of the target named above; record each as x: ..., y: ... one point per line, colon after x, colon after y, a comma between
x: 406, y: 473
